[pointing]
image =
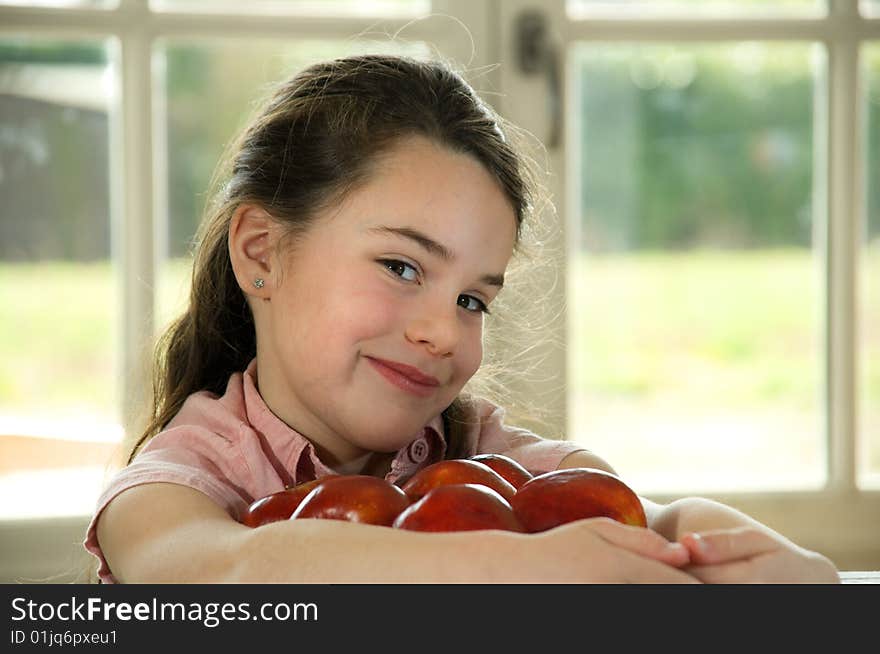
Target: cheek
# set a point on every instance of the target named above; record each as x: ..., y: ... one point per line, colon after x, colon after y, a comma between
x: 471, y: 353
x: 370, y: 309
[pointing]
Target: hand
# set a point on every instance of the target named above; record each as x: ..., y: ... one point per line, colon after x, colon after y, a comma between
x: 601, y: 550
x: 750, y: 555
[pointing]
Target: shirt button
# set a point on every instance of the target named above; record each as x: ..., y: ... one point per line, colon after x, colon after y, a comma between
x: 418, y: 450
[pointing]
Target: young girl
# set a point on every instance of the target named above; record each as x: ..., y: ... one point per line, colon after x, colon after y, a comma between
x: 336, y: 314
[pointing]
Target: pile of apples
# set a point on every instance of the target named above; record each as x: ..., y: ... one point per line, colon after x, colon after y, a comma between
x: 487, y: 491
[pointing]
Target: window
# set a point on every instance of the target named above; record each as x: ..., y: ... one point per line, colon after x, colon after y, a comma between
x: 695, y: 314
x: 59, y: 404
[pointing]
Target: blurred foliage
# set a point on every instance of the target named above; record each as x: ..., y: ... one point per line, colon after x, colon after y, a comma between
x: 54, y: 150
x: 60, y: 53
x: 699, y: 145
x: 688, y: 146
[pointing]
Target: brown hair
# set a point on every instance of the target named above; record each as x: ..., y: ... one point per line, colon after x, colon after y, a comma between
x: 311, y: 144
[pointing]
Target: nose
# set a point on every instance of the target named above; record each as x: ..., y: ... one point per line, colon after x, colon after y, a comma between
x: 437, y: 330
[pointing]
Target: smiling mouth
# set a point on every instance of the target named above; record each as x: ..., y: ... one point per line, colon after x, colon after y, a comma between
x: 405, y: 377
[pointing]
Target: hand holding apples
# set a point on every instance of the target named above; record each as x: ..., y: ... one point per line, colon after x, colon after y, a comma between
x: 600, y: 550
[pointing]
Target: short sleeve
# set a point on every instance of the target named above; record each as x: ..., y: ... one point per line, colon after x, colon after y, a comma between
x: 189, y: 456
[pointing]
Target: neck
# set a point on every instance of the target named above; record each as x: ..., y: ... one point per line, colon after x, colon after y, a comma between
x: 353, y: 466
x: 375, y: 464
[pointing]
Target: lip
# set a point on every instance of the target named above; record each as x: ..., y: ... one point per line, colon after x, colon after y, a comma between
x: 405, y: 377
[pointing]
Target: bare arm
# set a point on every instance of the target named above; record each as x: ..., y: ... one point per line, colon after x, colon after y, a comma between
x: 169, y: 533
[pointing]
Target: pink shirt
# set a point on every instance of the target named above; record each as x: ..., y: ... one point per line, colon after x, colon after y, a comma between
x: 235, y: 450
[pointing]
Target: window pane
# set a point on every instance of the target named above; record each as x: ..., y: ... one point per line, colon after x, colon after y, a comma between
x: 306, y: 7
x: 702, y: 8
x: 230, y: 79
x: 695, y: 296
x: 869, y: 347
x: 59, y: 415
x: 870, y: 8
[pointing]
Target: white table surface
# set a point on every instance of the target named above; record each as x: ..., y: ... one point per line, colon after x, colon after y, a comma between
x: 860, y: 576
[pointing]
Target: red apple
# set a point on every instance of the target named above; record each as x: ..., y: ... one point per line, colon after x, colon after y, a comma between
x: 511, y: 470
x: 280, y: 505
x: 355, y: 498
x: 459, y: 507
x: 456, y: 471
x: 562, y: 496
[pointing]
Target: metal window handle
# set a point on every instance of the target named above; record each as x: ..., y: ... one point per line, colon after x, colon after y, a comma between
x: 537, y: 54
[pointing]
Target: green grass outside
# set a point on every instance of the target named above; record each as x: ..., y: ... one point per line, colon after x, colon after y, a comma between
x: 689, y: 358
x: 58, y: 338
x: 59, y: 335
x: 749, y: 324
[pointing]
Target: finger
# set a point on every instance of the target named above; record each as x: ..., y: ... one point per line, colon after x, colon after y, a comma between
x: 775, y: 567
x: 724, y: 545
x: 639, y: 540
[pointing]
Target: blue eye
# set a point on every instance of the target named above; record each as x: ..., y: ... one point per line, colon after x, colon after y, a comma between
x: 400, y: 268
x: 471, y: 303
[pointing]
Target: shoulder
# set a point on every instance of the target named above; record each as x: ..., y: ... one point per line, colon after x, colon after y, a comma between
x: 218, y: 413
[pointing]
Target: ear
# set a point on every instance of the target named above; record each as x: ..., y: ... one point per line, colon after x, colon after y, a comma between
x: 252, y: 239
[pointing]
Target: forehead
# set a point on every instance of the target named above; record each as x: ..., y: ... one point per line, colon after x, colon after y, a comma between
x: 430, y: 182
x: 447, y: 194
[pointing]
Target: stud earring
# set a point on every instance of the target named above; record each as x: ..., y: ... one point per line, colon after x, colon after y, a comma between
x: 259, y: 283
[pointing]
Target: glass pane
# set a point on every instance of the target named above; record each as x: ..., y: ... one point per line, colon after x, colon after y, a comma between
x: 695, y: 295
x: 701, y: 8
x: 869, y: 329
x: 305, y: 7
x: 230, y: 79
x: 870, y: 8
x: 59, y: 419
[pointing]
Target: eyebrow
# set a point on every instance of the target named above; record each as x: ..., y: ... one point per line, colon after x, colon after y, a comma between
x: 433, y: 247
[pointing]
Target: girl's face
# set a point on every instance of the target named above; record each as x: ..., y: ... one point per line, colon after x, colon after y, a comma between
x: 375, y: 321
